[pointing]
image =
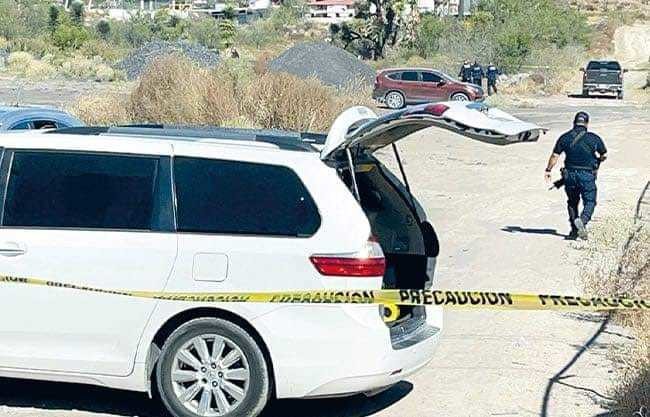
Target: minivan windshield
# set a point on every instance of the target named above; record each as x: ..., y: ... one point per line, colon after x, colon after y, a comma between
x: 603, y: 65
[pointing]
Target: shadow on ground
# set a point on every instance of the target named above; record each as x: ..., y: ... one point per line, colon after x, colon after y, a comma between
x: 580, y: 95
x: 519, y: 229
x: 58, y: 396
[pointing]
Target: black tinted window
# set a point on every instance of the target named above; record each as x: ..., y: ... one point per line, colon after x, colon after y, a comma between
x: 409, y: 76
x: 394, y: 75
x: 605, y: 65
x: 430, y: 77
x: 21, y: 126
x: 217, y: 196
x: 80, y: 191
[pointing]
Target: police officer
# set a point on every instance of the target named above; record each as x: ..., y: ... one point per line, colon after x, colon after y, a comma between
x: 492, y: 73
x: 477, y: 74
x: 465, y: 73
x: 584, y: 151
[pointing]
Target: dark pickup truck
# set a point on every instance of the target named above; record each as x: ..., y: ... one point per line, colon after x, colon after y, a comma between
x: 603, y: 77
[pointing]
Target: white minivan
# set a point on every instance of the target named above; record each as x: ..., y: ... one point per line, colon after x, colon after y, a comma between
x: 205, y: 210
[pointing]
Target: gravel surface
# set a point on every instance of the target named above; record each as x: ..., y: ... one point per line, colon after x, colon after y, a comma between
x: 331, y: 65
x: 136, y: 62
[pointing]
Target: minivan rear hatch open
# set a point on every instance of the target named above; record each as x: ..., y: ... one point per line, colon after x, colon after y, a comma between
x: 397, y: 220
x: 361, y: 127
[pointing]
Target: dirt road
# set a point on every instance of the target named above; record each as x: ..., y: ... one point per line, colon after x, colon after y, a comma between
x: 500, y: 229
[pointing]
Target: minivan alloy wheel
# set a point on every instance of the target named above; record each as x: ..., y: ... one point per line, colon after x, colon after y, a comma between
x: 210, y: 375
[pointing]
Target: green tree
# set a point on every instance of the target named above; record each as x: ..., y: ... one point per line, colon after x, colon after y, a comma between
x: 77, y: 12
x: 53, y: 14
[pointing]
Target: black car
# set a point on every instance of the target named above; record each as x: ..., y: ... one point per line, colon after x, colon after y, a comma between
x: 603, y: 77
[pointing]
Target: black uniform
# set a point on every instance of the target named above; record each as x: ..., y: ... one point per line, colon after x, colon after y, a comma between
x: 582, y: 149
x: 477, y: 74
x: 492, y: 73
x: 465, y: 73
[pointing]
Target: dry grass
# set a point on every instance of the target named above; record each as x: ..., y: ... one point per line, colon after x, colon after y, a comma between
x: 175, y: 91
x: 102, y: 110
x: 617, y: 262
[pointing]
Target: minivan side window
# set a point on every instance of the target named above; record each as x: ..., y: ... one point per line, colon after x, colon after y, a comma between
x: 395, y: 75
x: 409, y: 76
x: 80, y: 191
x: 232, y: 197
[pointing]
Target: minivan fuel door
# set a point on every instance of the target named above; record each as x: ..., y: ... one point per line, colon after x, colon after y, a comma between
x: 473, y: 120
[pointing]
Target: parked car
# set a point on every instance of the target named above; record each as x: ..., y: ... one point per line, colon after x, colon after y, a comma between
x: 196, y: 210
x: 26, y: 118
x: 604, y: 77
x: 397, y: 87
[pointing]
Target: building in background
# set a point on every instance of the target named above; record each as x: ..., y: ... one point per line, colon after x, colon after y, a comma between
x: 331, y: 10
x: 447, y: 7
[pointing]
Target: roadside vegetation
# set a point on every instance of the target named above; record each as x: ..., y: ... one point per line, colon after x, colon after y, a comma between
x: 175, y: 91
x: 544, y: 41
x: 616, y: 261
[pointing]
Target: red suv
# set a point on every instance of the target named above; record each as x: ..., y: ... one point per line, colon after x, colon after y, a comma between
x: 397, y: 87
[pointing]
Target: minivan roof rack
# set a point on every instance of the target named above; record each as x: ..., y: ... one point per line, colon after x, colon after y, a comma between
x: 303, y: 141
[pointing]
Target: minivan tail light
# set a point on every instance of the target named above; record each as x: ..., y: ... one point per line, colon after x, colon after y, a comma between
x: 368, y: 262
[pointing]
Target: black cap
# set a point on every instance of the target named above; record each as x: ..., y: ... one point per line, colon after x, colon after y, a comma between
x: 581, y: 118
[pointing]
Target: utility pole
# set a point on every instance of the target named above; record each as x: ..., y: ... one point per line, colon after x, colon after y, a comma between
x: 461, y: 9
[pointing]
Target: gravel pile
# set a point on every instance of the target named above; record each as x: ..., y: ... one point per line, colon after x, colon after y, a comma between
x: 136, y: 62
x: 331, y: 65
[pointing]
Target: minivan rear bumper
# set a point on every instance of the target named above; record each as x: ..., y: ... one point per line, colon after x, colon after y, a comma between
x: 330, y: 351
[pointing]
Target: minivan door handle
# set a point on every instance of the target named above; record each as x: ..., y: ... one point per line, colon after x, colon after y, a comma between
x: 12, y: 249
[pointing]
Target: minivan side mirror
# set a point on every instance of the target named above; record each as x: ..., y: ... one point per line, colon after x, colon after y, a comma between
x: 442, y: 82
x: 582, y: 70
x: 625, y: 70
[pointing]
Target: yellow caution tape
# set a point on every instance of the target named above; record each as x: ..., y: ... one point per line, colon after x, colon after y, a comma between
x: 448, y: 299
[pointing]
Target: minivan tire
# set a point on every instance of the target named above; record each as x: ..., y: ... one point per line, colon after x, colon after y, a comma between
x: 620, y: 95
x: 394, y: 100
x: 255, y: 392
x: 459, y: 97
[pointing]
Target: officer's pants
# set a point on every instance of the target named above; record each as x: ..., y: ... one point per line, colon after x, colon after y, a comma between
x: 580, y: 184
x: 491, y: 85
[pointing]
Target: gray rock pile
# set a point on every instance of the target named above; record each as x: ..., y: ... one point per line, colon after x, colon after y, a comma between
x: 331, y: 65
x: 136, y: 62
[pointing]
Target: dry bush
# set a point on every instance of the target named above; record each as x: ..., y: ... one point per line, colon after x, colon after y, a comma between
x: 284, y: 101
x: 102, y: 110
x: 617, y: 262
x: 176, y: 91
x: 173, y: 90
x: 19, y: 62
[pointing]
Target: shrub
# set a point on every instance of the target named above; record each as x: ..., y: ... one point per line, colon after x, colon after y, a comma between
x: 429, y: 32
x: 175, y: 90
x: 258, y: 35
x: 37, y: 45
x: 77, y: 12
x: 205, y: 31
x: 68, y: 36
x: 228, y: 31
x: 616, y: 261
x: 40, y: 70
x: 53, y: 14
x: 19, y: 62
x: 103, y: 28
x: 284, y: 101
x: 102, y: 110
x: 23, y: 18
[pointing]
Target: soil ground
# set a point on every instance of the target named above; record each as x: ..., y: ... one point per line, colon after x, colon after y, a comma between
x: 500, y: 229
